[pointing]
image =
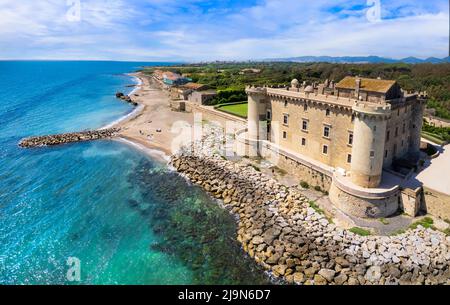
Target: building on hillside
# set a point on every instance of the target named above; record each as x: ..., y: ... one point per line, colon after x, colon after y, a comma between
x: 358, y: 138
x: 183, y: 91
x: 169, y: 78
x: 249, y: 71
x: 202, y: 97
x: 174, y: 79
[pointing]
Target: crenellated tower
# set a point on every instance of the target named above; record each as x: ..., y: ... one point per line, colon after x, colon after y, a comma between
x: 369, y: 137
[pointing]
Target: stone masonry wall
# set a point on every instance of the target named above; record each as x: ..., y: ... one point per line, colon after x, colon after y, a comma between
x: 437, y: 204
x: 276, y: 226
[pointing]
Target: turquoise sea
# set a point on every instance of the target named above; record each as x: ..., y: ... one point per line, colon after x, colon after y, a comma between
x: 125, y: 217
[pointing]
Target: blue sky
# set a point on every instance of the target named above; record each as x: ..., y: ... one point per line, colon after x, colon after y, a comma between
x: 195, y: 30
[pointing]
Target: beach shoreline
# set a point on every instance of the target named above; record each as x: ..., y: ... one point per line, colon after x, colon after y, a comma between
x: 149, y: 125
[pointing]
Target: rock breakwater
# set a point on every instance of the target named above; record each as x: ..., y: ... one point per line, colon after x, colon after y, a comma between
x: 64, y: 138
x: 125, y: 98
x: 278, y: 228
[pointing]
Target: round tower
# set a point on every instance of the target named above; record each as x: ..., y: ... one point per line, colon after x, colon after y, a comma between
x: 416, y: 122
x: 256, y: 111
x: 369, y: 137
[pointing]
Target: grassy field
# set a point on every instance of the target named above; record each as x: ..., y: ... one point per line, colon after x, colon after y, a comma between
x: 239, y: 110
x: 433, y: 138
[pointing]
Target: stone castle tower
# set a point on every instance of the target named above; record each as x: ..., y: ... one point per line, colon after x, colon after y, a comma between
x: 353, y: 132
x: 369, y: 136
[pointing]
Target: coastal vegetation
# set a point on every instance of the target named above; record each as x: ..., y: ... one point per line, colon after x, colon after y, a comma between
x: 238, y: 109
x: 432, y: 78
x: 360, y: 231
x: 426, y: 222
x: 436, y: 134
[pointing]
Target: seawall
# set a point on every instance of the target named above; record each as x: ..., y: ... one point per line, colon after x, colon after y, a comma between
x: 64, y: 138
x: 287, y: 237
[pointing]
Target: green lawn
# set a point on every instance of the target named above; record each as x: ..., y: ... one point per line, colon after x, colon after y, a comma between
x: 433, y: 138
x: 237, y: 109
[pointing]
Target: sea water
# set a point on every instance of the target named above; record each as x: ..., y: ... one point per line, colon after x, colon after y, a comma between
x: 99, y: 212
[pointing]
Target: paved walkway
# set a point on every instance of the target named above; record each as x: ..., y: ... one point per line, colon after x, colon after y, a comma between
x: 437, y: 172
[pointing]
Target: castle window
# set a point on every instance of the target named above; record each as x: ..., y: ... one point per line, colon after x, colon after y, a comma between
x: 285, y: 103
x: 375, y: 128
x: 327, y: 112
x: 404, y: 128
x: 350, y: 138
x: 388, y: 135
x: 326, y: 131
x: 385, y: 153
x: 284, y: 135
x: 349, y: 158
x: 402, y: 143
x: 305, y: 107
x: 372, y: 154
x: 396, y: 131
x: 285, y: 119
x: 305, y: 125
x: 303, y: 142
x: 398, y: 112
x: 269, y: 115
x: 325, y: 149
x: 353, y: 118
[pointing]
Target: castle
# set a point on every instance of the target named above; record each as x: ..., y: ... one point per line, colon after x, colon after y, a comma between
x: 361, y: 136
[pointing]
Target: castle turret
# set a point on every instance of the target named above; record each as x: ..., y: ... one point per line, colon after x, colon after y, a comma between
x: 416, y: 127
x: 369, y: 138
x: 256, y: 115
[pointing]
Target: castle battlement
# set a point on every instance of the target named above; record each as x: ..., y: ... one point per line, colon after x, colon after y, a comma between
x: 368, y: 109
x: 359, y: 126
x: 255, y: 90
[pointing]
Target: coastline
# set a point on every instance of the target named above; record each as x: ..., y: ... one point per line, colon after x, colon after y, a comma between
x: 149, y: 125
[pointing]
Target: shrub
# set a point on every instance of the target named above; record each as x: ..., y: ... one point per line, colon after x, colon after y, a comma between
x: 360, y: 231
x: 256, y: 168
x: 384, y: 221
x: 316, y: 208
x: 304, y: 184
x: 230, y: 95
x: 318, y: 188
x: 426, y: 222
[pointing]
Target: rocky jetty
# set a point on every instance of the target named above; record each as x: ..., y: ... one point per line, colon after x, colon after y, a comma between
x: 68, y: 138
x: 125, y: 98
x: 278, y: 228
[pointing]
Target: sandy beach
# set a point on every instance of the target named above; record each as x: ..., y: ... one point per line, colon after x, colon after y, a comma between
x: 150, y: 124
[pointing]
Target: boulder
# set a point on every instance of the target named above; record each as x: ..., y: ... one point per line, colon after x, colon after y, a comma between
x: 327, y: 274
x: 373, y: 274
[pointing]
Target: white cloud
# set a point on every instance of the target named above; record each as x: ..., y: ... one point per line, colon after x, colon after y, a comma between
x: 162, y: 29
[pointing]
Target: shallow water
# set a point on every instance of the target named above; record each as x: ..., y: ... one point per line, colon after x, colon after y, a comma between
x: 126, y: 217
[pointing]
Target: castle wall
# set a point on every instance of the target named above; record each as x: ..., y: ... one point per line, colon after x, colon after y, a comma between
x: 407, y: 120
x: 436, y: 203
x: 339, y: 121
x: 297, y: 167
x: 363, y: 207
